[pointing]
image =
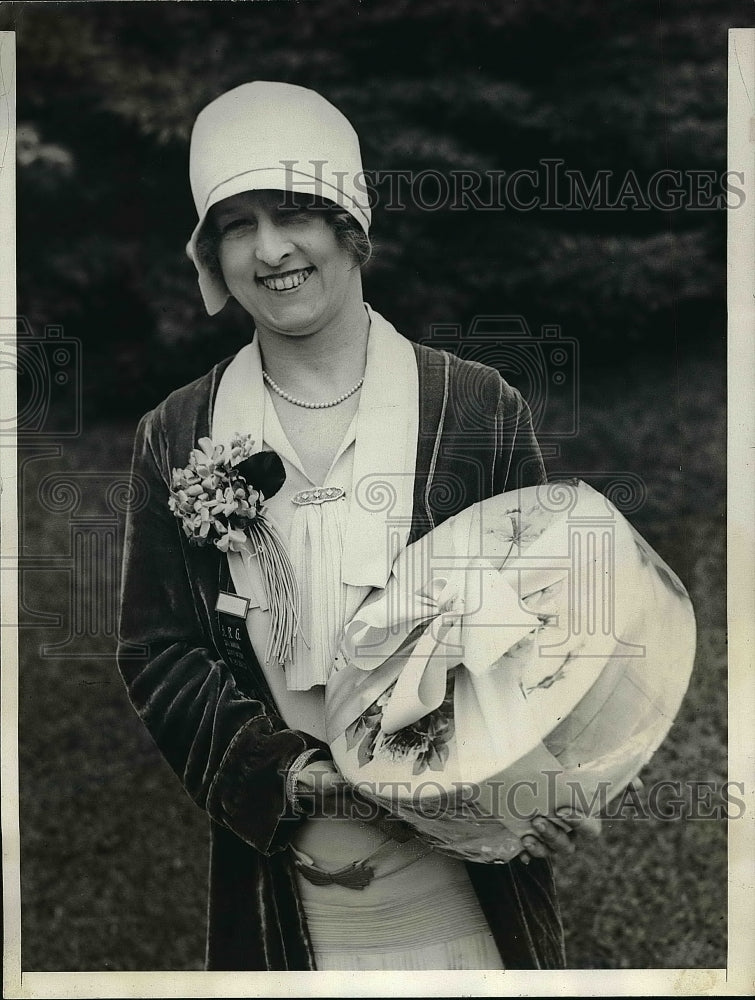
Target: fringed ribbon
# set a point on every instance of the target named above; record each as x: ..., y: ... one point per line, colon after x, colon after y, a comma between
x: 280, y: 586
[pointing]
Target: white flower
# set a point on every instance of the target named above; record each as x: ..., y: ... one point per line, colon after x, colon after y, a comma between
x: 230, y: 538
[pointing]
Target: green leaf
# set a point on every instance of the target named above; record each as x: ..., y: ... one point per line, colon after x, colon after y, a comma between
x: 420, y: 764
x: 353, y: 733
x: 366, y: 747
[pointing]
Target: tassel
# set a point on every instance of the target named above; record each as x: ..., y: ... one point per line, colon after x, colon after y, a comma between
x: 356, y: 875
x: 281, y: 588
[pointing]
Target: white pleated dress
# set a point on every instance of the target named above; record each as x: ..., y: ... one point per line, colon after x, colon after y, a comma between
x: 425, y: 915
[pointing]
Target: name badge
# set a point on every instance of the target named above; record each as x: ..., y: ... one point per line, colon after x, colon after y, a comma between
x: 232, y: 604
x: 235, y: 644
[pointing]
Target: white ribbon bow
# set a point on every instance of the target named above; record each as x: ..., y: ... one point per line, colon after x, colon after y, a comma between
x: 468, y: 610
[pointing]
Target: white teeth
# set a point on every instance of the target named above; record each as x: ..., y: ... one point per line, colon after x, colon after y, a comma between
x: 287, y: 283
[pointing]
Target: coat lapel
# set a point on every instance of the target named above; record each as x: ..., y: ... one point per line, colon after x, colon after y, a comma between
x: 380, y: 513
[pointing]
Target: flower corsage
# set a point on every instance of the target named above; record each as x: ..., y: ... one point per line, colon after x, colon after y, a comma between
x: 219, y: 499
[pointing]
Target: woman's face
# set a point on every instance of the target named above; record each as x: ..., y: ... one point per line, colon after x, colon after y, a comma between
x: 283, y: 263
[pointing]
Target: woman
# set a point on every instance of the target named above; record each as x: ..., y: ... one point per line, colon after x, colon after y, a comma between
x: 349, y: 405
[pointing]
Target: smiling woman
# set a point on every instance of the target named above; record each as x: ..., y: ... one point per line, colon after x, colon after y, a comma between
x: 288, y: 205
x: 284, y: 263
x: 354, y: 412
x: 349, y: 234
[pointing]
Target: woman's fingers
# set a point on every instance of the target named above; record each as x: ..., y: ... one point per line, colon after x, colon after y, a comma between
x: 558, y: 834
x: 590, y: 826
x: 572, y: 821
x: 321, y: 779
x: 534, y: 847
x: 553, y: 836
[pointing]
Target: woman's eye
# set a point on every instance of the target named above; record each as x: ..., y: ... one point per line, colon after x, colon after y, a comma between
x: 236, y: 226
x: 292, y: 214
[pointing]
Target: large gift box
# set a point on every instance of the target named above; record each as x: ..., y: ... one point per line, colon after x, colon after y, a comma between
x: 528, y: 654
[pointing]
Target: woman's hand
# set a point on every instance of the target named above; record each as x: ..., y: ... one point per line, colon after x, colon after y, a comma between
x: 319, y: 784
x: 562, y: 833
x: 558, y: 835
x: 323, y: 790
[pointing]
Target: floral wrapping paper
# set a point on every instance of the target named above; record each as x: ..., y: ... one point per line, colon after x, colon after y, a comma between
x: 529, y: 653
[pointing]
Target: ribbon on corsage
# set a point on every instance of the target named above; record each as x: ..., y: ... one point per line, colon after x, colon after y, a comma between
x: 219, y: 499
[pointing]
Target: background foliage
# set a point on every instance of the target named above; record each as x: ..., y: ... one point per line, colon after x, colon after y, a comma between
x: 113, y: 854
x: 108, y: 93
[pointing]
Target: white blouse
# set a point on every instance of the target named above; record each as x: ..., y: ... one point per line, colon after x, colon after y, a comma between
x: 339, y: 548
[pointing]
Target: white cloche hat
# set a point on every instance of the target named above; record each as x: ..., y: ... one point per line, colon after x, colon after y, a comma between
x: 267, y: 135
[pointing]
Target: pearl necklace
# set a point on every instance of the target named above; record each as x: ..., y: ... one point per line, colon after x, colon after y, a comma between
x: 310, y: 406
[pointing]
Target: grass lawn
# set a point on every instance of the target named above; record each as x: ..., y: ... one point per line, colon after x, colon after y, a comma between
x: 114, y: 854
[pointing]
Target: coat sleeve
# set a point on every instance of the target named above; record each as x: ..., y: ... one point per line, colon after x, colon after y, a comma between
x: 229, y: 752
x: 518, y: 461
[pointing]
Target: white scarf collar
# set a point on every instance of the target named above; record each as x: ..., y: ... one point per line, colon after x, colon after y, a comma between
x: 380, y: 513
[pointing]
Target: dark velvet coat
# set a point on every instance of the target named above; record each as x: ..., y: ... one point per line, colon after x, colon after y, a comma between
x: 221, y: 733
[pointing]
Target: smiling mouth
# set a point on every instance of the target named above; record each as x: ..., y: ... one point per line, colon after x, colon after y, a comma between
x: 286, y: 282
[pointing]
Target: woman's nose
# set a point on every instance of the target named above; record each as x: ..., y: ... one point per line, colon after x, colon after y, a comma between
x: 272, y: 245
